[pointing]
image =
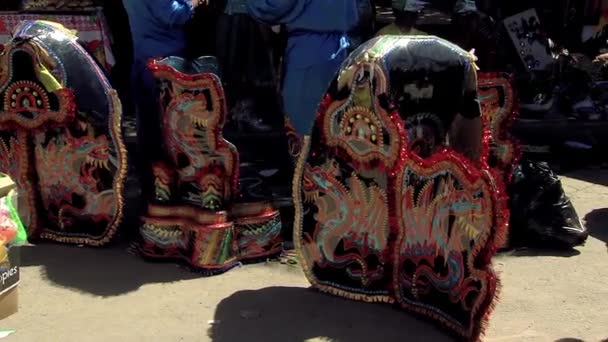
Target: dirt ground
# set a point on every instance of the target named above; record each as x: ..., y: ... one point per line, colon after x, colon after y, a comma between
x: 81, y: 294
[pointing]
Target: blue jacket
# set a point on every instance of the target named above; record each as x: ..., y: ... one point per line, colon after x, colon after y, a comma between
x: 316, y: 30
x: 157, y: 27
x: 314, y: 26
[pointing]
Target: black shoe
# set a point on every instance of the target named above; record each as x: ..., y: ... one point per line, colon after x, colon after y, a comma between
x: 246, y: 121
x: 253, y: 125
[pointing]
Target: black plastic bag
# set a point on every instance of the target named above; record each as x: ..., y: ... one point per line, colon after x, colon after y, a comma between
x: 542, y: 216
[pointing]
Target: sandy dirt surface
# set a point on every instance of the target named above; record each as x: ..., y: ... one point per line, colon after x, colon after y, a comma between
x: 81, y: 294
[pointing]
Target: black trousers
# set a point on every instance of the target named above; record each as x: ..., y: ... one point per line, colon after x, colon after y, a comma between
x: 149, y: 133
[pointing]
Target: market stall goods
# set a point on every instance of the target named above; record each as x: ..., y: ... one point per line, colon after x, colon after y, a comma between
x: 90, y: 27
x: 195, y: 214
x: 12, y: 234
x: 532, y: 45
x: 60, y: 5
x: 388, y: 208
x: 60, y: 136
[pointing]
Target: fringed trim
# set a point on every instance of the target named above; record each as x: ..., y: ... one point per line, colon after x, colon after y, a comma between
x: 212, y: 272
x: 354, y: 296
x: 492, y: 301
x: 299, y: 210
x: 311, y: 196
x: 121, y: 177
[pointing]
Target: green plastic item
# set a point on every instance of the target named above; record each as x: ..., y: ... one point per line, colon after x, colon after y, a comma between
x: 21, y: 237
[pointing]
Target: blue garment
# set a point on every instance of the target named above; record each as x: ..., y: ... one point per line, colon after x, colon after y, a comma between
x: 315, y: 28
x: 157, y: 27
x: 235, y: 7
x: 157, y: 30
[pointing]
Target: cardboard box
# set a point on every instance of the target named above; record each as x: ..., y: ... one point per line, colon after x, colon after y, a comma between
x: 9, y: 269
x: 9, y: 282
x: 6, y: 185
x: 9, y: 303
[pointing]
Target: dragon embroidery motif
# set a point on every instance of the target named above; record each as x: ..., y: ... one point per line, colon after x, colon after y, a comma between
x: 444, y: 218
x: 357, y: 219
x: 77, y: 163
x: 191, y: 124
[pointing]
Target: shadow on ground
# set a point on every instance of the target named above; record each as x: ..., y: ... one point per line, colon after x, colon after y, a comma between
x: 104, y: 272
x: 597, y: 224
x: 279, y: 314
x: 594, y: 176
x: 537, y: 252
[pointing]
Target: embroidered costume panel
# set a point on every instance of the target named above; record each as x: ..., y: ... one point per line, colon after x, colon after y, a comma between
x: 67, y: 119
x: 195, y: 214
x: 392, y: 205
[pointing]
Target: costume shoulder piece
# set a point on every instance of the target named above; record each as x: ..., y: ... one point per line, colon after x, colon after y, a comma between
x: 61, y: 136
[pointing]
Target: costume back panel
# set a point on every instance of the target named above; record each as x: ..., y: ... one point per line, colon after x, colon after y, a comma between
x: 60, y: 123
x: 389, y: 209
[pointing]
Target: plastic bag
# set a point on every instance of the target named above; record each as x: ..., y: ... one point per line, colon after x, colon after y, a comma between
x: 12, y: 231
x: 542, y: 216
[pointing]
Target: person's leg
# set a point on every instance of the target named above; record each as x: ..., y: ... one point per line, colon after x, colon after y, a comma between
x: 149, y: 136
x: 303, y: 90
x: 227, y: 50
x: 263, y: 76
x: 301, y: 102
